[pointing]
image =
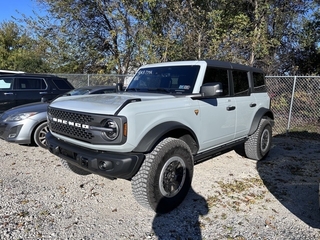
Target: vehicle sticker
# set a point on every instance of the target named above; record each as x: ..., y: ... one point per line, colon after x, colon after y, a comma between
x: 185, y: 87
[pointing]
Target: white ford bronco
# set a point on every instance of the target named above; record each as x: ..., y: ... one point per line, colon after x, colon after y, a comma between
x: 170, y: 117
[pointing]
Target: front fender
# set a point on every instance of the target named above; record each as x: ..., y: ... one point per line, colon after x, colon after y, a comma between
x: 156, y: 134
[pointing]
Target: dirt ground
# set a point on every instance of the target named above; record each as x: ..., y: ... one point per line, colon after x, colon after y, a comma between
x: 231, y: 198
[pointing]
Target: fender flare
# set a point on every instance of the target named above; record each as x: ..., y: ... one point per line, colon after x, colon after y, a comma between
x: 257, y: 118
x: 156, y: 134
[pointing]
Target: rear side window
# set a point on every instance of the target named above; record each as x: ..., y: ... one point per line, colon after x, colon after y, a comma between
x: 30, y: 83
x: 258, y: 82
x: 62, y: 83
x: 6, y: 83
x: 240, y: 83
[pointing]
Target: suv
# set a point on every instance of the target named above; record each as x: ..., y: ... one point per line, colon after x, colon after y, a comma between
x: 2, y: 72
x: 18, y: 89
x: 171, y: 116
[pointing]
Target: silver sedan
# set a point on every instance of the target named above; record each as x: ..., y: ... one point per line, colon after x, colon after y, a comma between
x: 27, y: 124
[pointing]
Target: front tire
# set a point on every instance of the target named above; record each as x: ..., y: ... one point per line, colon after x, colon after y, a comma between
x: 165, y: 176
x: 258, y: 145
x: 39, y: 135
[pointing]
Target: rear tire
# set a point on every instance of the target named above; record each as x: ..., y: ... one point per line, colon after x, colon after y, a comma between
x: 73, y: 168
x: 39, y: 135
x: 164, y: 179
x: 258, y: 144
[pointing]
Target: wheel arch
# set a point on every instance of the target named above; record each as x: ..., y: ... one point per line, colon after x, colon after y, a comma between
x: 34, y: 130
x: 262, y: 112
x: 164, y: 130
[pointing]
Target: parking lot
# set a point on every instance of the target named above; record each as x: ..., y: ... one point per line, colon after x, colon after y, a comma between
x: 231, y: 198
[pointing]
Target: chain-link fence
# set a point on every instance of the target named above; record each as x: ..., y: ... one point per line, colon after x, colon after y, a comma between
x: 295, y: 100
x: 82, y: 80
x: 296, y: 105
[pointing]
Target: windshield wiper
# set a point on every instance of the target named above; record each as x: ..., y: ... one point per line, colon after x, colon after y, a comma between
x: 159, y: 90
x: 133, y: 89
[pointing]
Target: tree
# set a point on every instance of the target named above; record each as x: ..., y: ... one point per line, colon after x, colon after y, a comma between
x: 107, y: 36
x: 18, y: 51
x: 307, y: 56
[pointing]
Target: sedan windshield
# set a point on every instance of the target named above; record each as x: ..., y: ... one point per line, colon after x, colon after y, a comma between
x: 169, y: 79
x: 77, y: 91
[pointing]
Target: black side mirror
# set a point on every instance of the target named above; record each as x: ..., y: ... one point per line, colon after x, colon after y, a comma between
x: 211, y: 89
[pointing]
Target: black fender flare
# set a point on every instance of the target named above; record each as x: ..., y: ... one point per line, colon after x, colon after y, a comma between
x: 156, y: 134
x: 257, y: 118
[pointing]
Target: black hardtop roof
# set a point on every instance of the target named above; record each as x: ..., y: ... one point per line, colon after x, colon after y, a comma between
x: 230, y: 65
x: 30, y: 75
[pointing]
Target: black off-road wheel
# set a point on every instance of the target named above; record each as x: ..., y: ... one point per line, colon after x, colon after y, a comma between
x: 39, y: 136
x: 165, y: 176
x: 73, y: 168
x: 258, y: 145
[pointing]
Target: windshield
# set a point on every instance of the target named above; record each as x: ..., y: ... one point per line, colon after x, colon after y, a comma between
x: 169, y: 79
x: 77, y: 91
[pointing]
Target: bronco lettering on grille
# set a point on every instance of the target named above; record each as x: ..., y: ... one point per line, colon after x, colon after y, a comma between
x: 74, y: 124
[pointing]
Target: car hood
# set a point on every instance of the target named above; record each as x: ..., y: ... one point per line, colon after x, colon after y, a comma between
x: 104, y: 103
x: 31, y: 107
x: 38, y: 107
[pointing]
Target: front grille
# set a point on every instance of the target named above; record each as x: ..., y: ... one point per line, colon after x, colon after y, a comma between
x: 86, y: 127
x: 80, y: 119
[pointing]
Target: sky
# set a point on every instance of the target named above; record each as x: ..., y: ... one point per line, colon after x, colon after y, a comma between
x: 9, y: 8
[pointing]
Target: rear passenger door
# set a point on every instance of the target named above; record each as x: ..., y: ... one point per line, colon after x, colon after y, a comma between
x: 7, y: 96
x: 29, y: 89
x: 245, y: 102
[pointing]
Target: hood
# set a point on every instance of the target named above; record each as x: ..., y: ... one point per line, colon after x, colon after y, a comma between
x: 30, y: 107
x: 38, y: 107
x: 104, y: 103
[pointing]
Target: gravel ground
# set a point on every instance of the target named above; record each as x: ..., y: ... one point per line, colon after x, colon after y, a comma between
x: 231, y: 198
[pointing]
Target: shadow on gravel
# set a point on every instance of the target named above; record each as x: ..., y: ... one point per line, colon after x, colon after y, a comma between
x: 182, y: 222
x: 291, y: 172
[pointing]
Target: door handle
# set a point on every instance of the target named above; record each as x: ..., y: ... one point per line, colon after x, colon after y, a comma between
x: 253, y: 104
x: 8, y: 93
x: 43, y: 92
x: 231, y: 108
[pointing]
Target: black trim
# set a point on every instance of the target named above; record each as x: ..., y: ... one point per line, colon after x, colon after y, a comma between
x: 257, y: 118
x: 217, y: 151
x: 126, y: 103
x: 120, y: 165
x: 156, y: 134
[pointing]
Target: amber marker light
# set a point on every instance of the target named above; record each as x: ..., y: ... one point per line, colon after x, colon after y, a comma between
x: 125, y: 129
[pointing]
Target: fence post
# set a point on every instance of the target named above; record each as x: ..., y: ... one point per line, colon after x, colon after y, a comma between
x: 291, y: 103
x: 88, y: 83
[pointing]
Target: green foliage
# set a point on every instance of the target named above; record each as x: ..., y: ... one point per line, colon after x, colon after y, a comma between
x: 18, y: 51
x: 106, y: 36
x: 308, y: 55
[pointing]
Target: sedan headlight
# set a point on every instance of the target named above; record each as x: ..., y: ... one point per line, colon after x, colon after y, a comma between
x: 19, y: 116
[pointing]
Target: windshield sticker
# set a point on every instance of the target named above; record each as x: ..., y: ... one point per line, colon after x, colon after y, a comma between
x: 145, y: 72
x: 185, y: 87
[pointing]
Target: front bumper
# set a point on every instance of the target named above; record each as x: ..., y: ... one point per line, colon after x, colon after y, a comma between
x: 16, y: 132
x: 110, y: 165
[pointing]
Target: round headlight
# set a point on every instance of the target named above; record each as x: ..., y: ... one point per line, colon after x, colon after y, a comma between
x: 112, y: 130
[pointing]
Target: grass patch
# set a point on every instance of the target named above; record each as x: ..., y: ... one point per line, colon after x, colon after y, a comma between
x: 238, y: 193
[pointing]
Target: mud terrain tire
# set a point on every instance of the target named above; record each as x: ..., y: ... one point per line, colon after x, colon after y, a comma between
x: 165, y: 176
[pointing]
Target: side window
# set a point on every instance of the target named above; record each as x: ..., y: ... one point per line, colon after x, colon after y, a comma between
x: 240, y: 83
x: 217, y: 75
x: 258, y: 82
x: 6, y: 83
x: 30, y: 83
x: 62, y: 83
